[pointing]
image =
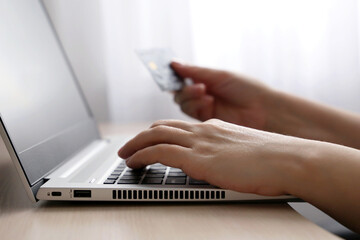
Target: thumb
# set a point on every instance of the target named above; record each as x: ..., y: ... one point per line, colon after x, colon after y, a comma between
x: 207, y: 76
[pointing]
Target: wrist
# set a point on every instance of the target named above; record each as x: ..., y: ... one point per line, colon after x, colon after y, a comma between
x: 327, y: 176
x: 299, y: 167
x: 289, y: 115
x: 311, y: 168
x: 276, y: 105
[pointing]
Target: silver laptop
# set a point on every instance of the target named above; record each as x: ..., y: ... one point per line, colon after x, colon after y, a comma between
x: 51, y: 135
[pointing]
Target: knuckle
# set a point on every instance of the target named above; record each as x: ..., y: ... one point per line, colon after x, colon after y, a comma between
x: 207, y: 128
x: 207, y: 133
x: 159, y: 130
x: 203, y: 147
x: 146, y: 132
x: 159, y: 123
x: 212, y: 121
x: 211, y: 125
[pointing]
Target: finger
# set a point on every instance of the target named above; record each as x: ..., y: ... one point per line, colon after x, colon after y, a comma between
x: 190, y: 92
x: 167, y: 154
x: 201, y: 109
x: 156, y: 135
x: 174, y: 123
x: 207, y: 76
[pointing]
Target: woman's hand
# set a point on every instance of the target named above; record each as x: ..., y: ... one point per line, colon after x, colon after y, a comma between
x: 244, y: 101
x: 254, y: 161
x: 223, y: 154
x: 223, y: 95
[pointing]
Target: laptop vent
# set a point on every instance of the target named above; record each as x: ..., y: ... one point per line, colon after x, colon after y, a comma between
x: 168, y: 194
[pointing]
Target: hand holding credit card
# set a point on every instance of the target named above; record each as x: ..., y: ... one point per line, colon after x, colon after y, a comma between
x: 157, y: 61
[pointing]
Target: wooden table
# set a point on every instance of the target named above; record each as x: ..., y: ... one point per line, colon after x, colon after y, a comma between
x: 20, y: 219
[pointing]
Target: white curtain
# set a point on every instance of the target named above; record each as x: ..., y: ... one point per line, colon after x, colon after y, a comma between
x: 142, y: 24
x: 306, y: 47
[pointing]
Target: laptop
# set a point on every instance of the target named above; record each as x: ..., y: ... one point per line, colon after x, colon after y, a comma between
x: 51, y: 135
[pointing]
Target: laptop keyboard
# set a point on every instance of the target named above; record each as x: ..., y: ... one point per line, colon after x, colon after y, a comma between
x: 156, y: 174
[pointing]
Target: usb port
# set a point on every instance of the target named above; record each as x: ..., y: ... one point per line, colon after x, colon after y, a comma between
x: 56, y: 194
x: 82, y: 193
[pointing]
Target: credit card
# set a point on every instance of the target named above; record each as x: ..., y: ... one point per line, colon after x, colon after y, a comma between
x: 157, y: 61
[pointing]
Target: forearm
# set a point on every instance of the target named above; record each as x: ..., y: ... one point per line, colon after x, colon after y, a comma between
x: 298, y: 117
x: 328, y: 177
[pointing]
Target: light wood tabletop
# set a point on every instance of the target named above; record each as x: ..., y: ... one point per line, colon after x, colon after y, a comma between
x: 21, y: 219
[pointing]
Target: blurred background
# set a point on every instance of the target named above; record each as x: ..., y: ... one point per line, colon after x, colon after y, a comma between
x: 306, y: 47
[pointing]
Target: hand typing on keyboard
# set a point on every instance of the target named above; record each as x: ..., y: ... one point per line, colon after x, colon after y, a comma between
x: 154, y: 174
x: 223, y: 154
x: 319, y: 163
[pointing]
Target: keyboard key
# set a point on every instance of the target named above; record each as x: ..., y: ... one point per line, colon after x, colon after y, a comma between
x: 152, y: 181
x: 109, y: 181
x: 128, y: 181
x: 176, y: 174
x: 115, y: 174
x: 197, y: 182
x: 120, y: 167
x: 175, y: 170
x: 154, y: 175
x: 153, y: 171
x: 133, y: 173
x: 118, y: 171
x: 175, y: 181
x: 158, y: 166
x: 130, y: 177
x: 112, y: 177
x: 135, y: 170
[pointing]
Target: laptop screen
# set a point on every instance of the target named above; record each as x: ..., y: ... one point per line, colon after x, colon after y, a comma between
x: 41, y: 105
